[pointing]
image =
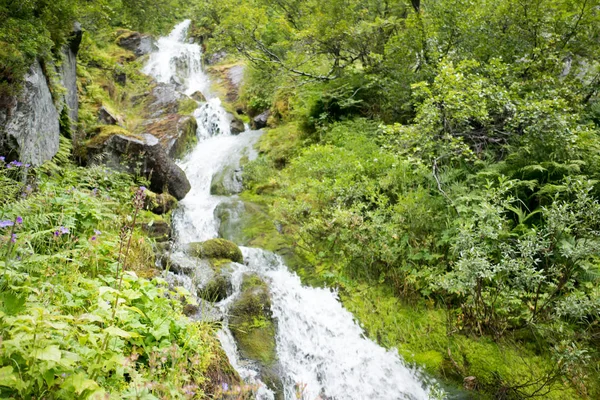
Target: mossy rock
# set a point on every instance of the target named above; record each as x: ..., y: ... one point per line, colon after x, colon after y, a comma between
x: 218, y: 288
x: 251, y: 321
x: 220, y: 372
x: 227, y: 181
x: 159, y: 203
x: 252, y: 326
x: 216, y: 249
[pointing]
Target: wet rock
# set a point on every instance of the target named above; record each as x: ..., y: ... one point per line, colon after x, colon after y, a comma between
x: 216, y: 249
x: 204, y: 311
x: 29, y: 127
x: 260, y: 121
x: 68, y: 74
x: 237, y: 126
x: 158, y: 230
x: 227, y: 181
x: 164, y: 99
x: 219, y: 287
x: 159, y: 203
x: 222, y: 377
x: 215, y: 58
x: 235, y: 75
x: 142, y: 155
x: 107, y: 117
x: 137, y: 43
x: 198, y: 96
x: 253, y: 328
x: 176, y: 133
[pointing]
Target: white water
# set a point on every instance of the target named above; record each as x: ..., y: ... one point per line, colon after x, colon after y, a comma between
x: 320, y: 347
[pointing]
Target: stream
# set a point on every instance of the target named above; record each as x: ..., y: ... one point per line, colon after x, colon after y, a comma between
x: 320, y: 347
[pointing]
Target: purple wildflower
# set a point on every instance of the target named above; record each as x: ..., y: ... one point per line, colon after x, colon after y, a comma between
x: 142, y: 188
x: 97, y: 232
x: 19, y: 220
x: 27, y: 165
x: 95, y: 192
x: 13, y: 238
x: 2, y: 158
x: 93, y: 238
x: 4, y: 224
x: 63, y: 230
x: 225, y: 386
x: 56, y: 233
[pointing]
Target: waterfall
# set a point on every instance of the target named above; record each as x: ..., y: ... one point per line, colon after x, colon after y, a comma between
x: 322, y: 351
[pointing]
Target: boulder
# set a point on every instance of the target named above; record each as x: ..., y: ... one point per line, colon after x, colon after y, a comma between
x: 260, y: 121
x: 253, y: 328
x: 137, y: 43
x: 176, y: 133
x: 198, y: 96
x: 216, y: 249
x: 29, y: 127
x: 237, y: 126
x: 140, y: 154
x: 159, y: 203
x: 219, y: 287
x: 107, y: 117
x: 227, y: 181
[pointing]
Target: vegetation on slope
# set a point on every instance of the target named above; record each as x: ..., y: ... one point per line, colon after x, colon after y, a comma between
x: 437, y: 161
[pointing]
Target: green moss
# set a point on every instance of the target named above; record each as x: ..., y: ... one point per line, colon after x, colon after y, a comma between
x: 216, y: 249
x: 187, y: 106
x: 420, y: 334
x: 104, y: 132
x: 281, y: 143
x: 251, y: 322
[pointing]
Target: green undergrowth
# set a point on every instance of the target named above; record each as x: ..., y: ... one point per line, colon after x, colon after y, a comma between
x: 424, y: 336
x: 77, y: 318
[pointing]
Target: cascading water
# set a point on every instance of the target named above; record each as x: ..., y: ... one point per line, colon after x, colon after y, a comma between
x: 323, y: 353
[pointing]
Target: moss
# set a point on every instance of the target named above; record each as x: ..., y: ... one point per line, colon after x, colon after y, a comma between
x: 216, y: 249
x: 217, y: 289
x: 281, y: 143
x: 251, y: 322
x: 223, y: 182
x: 187, y: 106
x: 104, y: 132
x: 420, y: 334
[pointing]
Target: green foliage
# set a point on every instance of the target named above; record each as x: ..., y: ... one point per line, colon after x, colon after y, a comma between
x: 69, y: 328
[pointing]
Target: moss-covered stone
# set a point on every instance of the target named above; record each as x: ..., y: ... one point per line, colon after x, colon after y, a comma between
x: 226, y: 181
x: 159, y: 203
x: 252, y: 325
x: 217, y: 289
x: 216, y: 249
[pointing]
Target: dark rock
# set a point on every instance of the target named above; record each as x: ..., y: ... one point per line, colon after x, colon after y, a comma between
x: 136, y: 42
x: 237, y: 126
x: 260, y: 121
x: 145, y: 156
x: 216, y: 249
x: 29, y: 127
x: 218, y: 288
x: 158, y: 230
x: 120, y: 77
x: 106, y: 117
x: 198, y: 96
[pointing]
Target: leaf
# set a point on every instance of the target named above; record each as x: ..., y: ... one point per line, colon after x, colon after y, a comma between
x: 8, y: 378
x: 50, y: 353
x: 80, y: 383
x: 114, y: 331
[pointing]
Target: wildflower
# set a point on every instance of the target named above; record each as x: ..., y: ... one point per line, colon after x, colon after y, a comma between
x: 95, y: 192
x: 97, y: 232
x: 4, y: 224
x: 13, y: 238
x: 61, y: 231
x: 93, y: 238
x: 225, y: 386
x: 19, y: 220
x: 2, y: 158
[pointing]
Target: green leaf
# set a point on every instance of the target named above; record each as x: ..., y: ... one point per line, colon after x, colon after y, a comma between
x: 114, y: 331
x: 8, y: 378
x: 50, y: 353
